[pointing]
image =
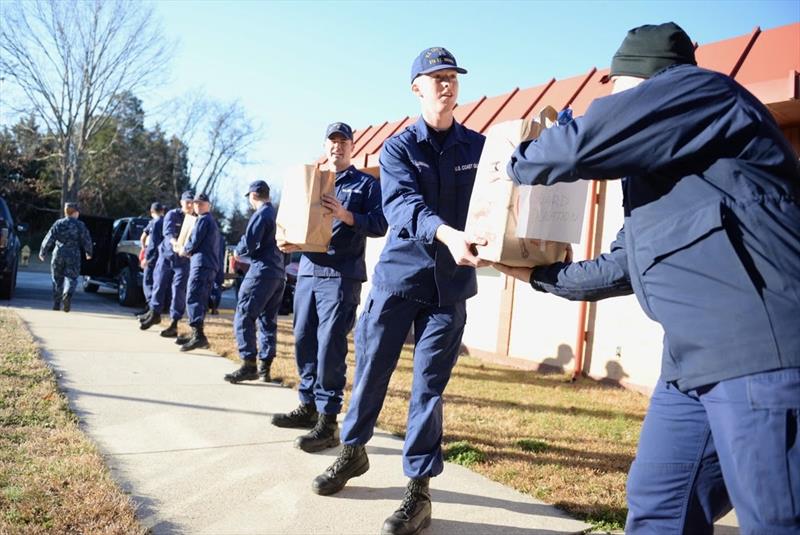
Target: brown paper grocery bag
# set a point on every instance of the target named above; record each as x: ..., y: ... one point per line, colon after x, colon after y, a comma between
x: 494, y: 205
x: 302, y: 220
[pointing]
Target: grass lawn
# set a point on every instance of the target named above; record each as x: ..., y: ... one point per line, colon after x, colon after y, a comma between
x: 568, y: 444
x: 52, y: 479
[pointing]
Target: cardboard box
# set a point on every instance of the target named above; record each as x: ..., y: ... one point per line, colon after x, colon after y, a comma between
x: 302, y: 220
x: 186, y: 231
x: 524, y: 225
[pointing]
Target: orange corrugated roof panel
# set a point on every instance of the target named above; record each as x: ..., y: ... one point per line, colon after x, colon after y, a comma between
x: 562, y: 92
x: 482, y: 117
x: 369, y: 133
x: 725, y: 56
x: 382, y: 135
x: 771, y: 66
x: 774, y: 54
x: 462, y: 113
x: 592, y: 90
x: 522, y: 102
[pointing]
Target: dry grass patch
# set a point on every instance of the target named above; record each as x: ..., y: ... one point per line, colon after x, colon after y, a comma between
x: 52, y: 479
x: 566, y: 443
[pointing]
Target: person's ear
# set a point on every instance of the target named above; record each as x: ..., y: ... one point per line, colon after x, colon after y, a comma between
x: 415, y: 88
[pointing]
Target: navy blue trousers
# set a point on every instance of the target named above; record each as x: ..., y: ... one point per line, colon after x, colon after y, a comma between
x: 199, y: 288
x: 324, y: 314
x: 171, y: 275
x: 733, y: 443
x: 258, y: 304
x: 147, y: 279
x: 382, y: 329
x: 64, y: 275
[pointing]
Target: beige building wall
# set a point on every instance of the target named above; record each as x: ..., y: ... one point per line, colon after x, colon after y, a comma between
x: 626, y: 343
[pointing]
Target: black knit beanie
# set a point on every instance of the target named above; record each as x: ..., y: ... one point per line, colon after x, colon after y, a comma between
x: 650, y: 48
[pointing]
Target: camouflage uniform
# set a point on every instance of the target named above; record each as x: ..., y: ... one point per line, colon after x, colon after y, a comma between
x: 67, y: 236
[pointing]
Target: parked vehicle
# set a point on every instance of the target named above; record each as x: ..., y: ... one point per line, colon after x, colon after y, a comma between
x: 10, y: 246
x: 115, y: 263
x: 235, y: 270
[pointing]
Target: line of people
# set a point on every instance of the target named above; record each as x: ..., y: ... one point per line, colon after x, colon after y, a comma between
x: 180, y: 277
x: 711, y: 247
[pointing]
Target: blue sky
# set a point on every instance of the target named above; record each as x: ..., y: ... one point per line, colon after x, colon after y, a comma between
x: 297, y: 66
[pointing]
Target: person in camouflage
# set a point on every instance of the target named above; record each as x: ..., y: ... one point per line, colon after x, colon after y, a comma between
x: 65, y: 239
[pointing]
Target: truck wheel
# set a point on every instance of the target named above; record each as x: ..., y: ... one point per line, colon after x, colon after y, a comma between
x: 126, y: 288
x: 8, y: 284
x: 90, y: 287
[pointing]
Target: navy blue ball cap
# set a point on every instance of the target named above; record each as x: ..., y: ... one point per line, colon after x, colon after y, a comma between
x: 258, y: 186
x: 201, y: 197
x: 187, y: 196
x: 434, y: 59
x: 156, y: 207
x: 339, y: 128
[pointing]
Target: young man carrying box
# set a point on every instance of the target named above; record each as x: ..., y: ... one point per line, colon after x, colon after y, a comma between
x: 423, y: 279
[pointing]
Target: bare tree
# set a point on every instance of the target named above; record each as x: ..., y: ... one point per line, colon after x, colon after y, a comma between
x: 217, y: 134
x: 70, y: 58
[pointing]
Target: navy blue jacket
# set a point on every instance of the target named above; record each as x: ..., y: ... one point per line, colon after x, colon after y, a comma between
x: 173, y: 221
x: 155, y: 235
x: 359, y: 193
x: 711, y: 239
x: 425, y: 185
x: 258, y: 243
x: 203, y: 243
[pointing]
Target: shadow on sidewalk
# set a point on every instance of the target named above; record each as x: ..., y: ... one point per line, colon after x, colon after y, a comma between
x: 448, y: 496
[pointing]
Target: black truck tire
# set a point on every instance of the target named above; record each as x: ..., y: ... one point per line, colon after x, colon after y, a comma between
x: 126, y: 288
x: 8, y: 284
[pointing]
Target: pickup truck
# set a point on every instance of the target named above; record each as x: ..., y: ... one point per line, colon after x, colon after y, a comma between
x: 9, y: 251
x: 115, y: 262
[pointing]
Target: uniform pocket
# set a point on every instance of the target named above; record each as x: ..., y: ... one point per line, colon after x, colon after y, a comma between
x: 778, y: 390
x: 698, y: 288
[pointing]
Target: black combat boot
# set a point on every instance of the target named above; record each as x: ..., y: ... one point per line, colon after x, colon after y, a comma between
x: 303, y: 417
x: 414, y: 513
x: 247, y: 372
x: 153, y: 318
x: 263, y: 370
x: 351, y: 462
x: 197, y: 341
x: 182, y: 339
x: 67, y: 303
x: 324, y: 435
x: 171, y: 331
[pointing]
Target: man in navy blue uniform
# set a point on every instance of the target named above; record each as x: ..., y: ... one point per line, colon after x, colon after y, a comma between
x: 711, y: 248
x: 423, y: 278
x: 172, y: 272
x: 202, y: 248
x: 66, y: 239
x: 151, y: 240
x: 327, y: 294
x: 261, y: 291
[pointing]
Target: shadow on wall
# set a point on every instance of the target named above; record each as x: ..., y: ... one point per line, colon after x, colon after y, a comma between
x: 564, y: 356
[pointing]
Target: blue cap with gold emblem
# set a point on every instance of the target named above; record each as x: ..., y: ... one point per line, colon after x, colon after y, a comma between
x: 434, y: 59
x: 339, y: 128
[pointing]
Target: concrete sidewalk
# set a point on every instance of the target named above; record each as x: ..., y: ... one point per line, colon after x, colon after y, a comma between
x: 198, y: 455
